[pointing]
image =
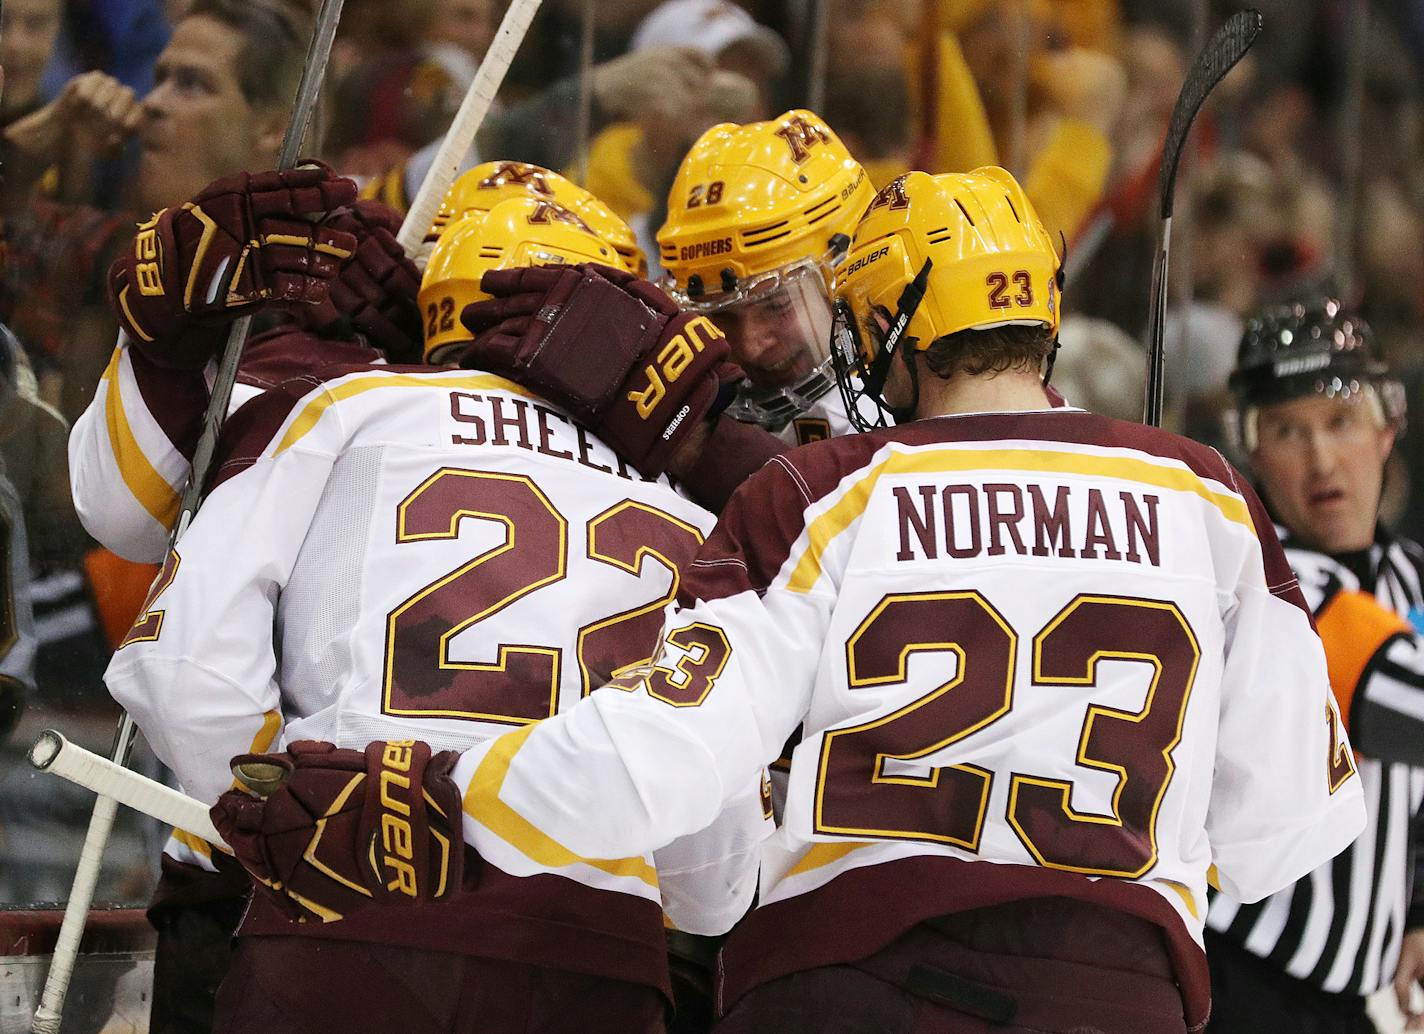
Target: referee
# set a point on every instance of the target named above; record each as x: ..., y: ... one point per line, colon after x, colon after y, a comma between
x: 1318, y: 413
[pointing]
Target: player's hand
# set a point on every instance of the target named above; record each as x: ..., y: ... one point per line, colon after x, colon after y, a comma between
x: 348, y: 828
x: 374, y: 292
x: 1408, y: 976
x: 243, y: 241
x: 612, y: 350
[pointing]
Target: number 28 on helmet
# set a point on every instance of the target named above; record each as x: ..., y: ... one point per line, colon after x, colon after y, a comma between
x: 935, y: 255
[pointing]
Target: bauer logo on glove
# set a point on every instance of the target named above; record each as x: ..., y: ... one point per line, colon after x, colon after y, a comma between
x: 673, y: 359
x: 343, y: 829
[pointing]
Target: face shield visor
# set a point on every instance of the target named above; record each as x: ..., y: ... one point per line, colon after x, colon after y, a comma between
x: 779, y: 327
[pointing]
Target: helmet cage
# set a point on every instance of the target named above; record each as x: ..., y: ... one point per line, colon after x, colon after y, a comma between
x: 861, y: 371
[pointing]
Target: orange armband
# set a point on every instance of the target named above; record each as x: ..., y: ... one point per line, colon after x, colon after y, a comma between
x: 1353, y: 626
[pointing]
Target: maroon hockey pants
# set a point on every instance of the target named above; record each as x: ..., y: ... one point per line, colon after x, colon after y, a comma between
x: 307, y: 985
x: 1047, y: 966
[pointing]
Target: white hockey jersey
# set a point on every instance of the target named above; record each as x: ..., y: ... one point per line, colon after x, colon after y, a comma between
x: 408, y: 553
x: 131, y: 450
x: 1030, y: 654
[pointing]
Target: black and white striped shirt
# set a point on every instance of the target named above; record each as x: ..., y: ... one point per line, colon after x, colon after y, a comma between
x: 1340, y: 927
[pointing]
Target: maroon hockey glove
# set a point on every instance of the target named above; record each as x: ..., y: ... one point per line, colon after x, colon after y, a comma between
x: 349, y: 828
x: 612, y: 350
x: 374, y: 293
x: 242, y: 241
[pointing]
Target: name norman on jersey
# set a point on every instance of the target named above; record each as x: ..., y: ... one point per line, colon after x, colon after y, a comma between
x: 963, y: 521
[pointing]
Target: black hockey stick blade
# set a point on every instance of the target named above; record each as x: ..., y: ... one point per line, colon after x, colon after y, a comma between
x: 1218, y: 57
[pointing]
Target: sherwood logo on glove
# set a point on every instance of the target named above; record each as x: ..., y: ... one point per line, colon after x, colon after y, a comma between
x: 397, y: 839
x: 673, y: 360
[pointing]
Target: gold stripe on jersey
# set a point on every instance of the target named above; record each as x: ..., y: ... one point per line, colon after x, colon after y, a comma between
x: 482, y: 804
x: 146, y: 484
x: 262, y: 742
x: 820, y: 855
x: 193, y: 843
x: 359, y: 385
x: 1184, y: 892
x: 824, y: 529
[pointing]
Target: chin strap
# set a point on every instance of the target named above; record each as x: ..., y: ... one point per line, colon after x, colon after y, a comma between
x: 906, y: 413
x: 909, y: 303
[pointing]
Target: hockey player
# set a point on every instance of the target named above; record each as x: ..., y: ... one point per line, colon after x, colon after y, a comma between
x: 438, y: 554
x: 759, y: 217
x: 1050, y: 669
x: 1318, y: 413
x: 337, y: 290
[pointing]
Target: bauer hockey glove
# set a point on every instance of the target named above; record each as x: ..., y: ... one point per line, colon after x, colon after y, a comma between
x: 612, y: 350
x: 242, y: 241
x: 347, y: 828
x: 374, y: 293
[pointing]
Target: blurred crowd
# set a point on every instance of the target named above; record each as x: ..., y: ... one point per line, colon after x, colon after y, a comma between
x: 1303, y: 174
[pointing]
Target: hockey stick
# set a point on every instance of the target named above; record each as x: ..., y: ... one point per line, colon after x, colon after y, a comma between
x: 53, y: 753
x: 1220, y: 55
x: 86, y: 877
x: 466, y: 123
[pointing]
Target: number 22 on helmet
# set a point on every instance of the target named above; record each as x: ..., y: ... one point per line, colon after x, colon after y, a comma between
x: 519, y: 231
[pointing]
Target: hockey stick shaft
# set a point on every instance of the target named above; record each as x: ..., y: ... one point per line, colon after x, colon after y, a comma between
x: 53, y: 753
x: 1218, y: 57
x: 467, y: 122
x: 81, y: 895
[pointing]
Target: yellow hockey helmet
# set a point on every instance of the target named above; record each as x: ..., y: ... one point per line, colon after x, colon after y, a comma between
x: 758, y: 216
x: 935, y: 255
x: 489, y: 183
x: 752, y: 199
x: 518, y: 231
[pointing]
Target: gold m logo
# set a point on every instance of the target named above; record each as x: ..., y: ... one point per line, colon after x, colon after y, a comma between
x: 546, y: 212
x: 506, y: 173
x: 801, y: 135
x: 891, y: 196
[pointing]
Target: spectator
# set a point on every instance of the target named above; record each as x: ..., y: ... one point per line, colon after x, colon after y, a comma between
x: 724, y: 32
x: 402, y: 97
x: 220, y: 104
x: 631, y: 164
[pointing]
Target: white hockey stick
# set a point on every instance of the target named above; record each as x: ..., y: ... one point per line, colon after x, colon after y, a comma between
x: 51, y: 752
x: 466, y: 123
x: 86, y: 877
